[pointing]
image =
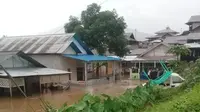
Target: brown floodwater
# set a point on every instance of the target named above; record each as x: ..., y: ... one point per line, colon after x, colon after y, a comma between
x: 58, y: 98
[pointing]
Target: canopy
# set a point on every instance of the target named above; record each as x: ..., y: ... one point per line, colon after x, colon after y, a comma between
x: 90, y: 58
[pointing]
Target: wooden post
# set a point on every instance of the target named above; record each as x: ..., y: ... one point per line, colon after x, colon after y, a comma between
x: 24, y: 87
x: 10, y: 83
x: 139, y: 67
x: 120, y: 67
x: 114, y: 70
x: 40, y: 85
x: 85, y: 72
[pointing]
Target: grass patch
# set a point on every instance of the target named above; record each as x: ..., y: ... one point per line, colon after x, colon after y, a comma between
x: 181, y: 102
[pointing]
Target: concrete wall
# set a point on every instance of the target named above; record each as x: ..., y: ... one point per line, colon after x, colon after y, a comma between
x: 59, y: 62
x: 159, y: 51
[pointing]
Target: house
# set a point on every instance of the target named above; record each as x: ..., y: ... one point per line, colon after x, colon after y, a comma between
x: 58, y: 51
x: 191, y: 36
x: 147, y: 58
x: 136, y: 39
x: 194, y: 54
x: 27, y: 73
x: 162, y: 34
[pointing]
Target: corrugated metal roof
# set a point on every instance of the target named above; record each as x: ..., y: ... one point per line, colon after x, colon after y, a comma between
x: 175, y: 40
x: 137, y: 51
x: 193, y: 36
x: 193, y: 19
x: 192, y: 45
x: 90, y: 58
x: 157, y: 58
x: 182, y: 39
x: 6, y: 55
x: 23, y: 72
x: 37, y: 44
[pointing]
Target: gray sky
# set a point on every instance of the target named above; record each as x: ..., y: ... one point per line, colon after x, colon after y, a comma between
x: 26, y: 17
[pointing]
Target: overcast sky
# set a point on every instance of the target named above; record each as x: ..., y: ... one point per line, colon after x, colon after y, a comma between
x: 26, y: 17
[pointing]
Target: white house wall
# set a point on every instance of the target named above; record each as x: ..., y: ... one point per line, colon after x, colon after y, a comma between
x: 58, y: 62
x: 159, y: 51
x: 69, y: 50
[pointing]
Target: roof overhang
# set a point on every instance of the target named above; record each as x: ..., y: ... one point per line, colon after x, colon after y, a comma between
x: 26, y: 72
x: 92, y: 58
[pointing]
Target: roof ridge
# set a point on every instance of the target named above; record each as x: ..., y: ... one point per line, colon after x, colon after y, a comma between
x: 39, y: 35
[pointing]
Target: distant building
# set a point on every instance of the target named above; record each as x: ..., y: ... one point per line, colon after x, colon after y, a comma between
x: 162, y: 34
x: 190, y: 36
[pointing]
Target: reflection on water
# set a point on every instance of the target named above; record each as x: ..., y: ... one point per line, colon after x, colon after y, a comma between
x: 20, y: 104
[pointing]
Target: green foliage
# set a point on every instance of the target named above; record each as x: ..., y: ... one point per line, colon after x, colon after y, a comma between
x: 132, y: 100
x: 100, y: 30
x: 72, y: 25
x: 182, y: 102
x: 179, y: 50
x: 190, y: 71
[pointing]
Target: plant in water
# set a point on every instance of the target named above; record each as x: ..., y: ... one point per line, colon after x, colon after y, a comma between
x: 132, y: 100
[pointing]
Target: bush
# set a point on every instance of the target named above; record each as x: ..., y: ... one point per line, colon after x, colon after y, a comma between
x: 189, y: 102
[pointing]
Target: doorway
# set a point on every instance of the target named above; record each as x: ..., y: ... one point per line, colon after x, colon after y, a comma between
x: 80, y: 74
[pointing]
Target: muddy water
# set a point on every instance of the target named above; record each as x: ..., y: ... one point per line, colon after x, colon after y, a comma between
x: 20, y: 104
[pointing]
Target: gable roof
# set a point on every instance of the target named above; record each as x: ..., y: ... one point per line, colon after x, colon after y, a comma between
x: 129, y: 36
x: 193, y: 19
x: 37, y: 44
x: 166, y: 30
x: 6, y: 55
x: 152, y: 48
x: 137, y: 35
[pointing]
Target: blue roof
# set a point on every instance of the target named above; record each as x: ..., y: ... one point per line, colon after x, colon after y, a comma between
x: 89, y: 58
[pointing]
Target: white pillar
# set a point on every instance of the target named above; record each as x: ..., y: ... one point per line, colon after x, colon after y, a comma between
x: 130, y: 70
x: 10, y: 88
x: 171, y: 81
x: 85, y: 72
x: 139, y: 67
x: 154, y: 64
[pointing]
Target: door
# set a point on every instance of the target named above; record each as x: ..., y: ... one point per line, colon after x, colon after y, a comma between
x: 80, y: 75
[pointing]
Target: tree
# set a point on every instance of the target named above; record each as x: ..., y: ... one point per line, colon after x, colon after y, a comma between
x: 100, y: 30
x: 72, y: 25
x: 179, y: 50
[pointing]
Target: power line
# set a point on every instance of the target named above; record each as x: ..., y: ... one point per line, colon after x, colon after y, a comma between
x: 103, y: 2
x: 63, y: 27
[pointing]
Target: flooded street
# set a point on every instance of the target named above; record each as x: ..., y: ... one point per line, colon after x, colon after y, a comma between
x: 20, y: 104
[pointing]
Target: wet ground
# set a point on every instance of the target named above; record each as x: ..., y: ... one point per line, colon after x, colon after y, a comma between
x: 57, y: 98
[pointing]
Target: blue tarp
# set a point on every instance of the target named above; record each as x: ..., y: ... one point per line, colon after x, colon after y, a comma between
x: 89, y: 58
